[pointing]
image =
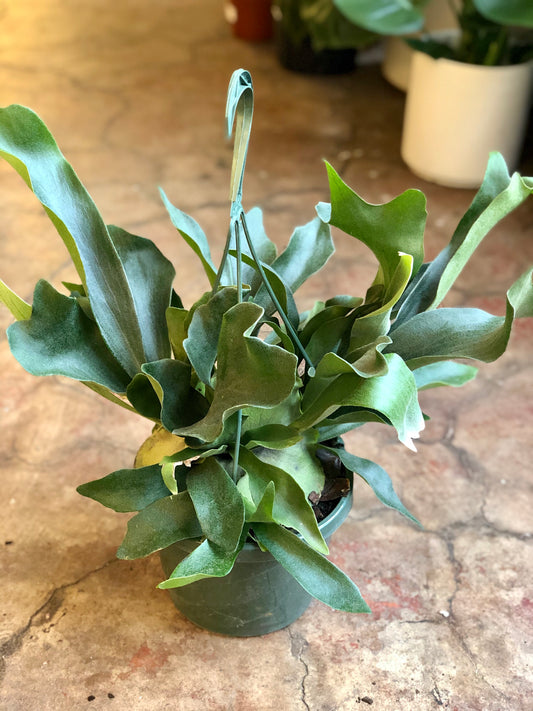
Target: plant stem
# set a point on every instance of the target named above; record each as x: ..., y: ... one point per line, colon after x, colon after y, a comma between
x: 223, y: 262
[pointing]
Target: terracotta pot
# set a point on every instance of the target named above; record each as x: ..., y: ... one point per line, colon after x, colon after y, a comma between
x: 250, y: 19
x: 457, y: 113
x: 258, y: 596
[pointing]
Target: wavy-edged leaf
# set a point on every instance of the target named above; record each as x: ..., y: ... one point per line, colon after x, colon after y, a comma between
x: 206, y: 561
x: 385, y: 17
x: 315, y: 573
x: 447, y: 333
x: 291, y: 507
x: 59, y: 339
x: 159, y: 525
x: 28, y: 146
x: 250, y: 373
x: 444, y: 373
x: 393, y: 395
x: 388, y: 230
x: 376, y: 477
x: 18, y: 307
x: 498, y: 195
x: 218, y: 503
x: 127, y: 489
x: 201, y: 344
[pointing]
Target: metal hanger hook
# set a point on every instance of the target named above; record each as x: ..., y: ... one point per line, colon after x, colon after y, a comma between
x: 240, y: 106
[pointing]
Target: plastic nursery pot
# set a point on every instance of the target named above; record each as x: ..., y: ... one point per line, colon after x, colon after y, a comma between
x: 457, y: 113
x: 304, y: 59
x: 250, y: 20
x: 257, y: 597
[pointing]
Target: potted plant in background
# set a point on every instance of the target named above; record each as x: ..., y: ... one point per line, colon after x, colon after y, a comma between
x: 313, y: 37
x: 469, y: 90
x: 245, y: 475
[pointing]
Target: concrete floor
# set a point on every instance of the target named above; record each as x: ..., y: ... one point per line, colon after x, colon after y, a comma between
x: 135, y: 93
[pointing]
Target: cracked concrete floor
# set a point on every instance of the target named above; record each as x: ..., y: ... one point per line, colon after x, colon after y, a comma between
x: 135, y: 94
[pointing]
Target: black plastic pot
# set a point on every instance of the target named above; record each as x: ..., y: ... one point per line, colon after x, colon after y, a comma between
x: 258, y: 596
x: 301, y: 57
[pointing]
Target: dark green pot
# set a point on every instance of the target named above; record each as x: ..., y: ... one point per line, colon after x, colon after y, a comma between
x: 258, y: 596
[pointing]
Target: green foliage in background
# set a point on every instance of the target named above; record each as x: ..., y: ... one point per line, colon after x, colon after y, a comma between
x: 491, y: 32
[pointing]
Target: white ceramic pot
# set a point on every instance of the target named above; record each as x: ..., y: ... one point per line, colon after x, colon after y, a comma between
x: 398, y: 55
x: 457, y: 113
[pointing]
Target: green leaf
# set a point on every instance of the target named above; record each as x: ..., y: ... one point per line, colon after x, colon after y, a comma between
x: 150, y: 275
x: 28, y: 146
x: 393, y: 395
x: 291, y: 507
x: 18, y: 307
x: 201, y: 343
x: 385, y: 17
x: 265, y: 249
x: 376, y: 477
x: 321, y: 316
x: 273, y: 436
x: 371, y: 327
x: 331, y: 428
x: 309, y: 248
x: 263, y: 512
x: 498, y: 195
x: 59, y: 339
x: 143, y: 397
x: 316, y: 574
x: 443, y: 373
x: 177, y: 330
x: 368, y: 361
x: 205, y: 561
x: 299, y: 461
x: 218, y: 503
x: 388, y: 230
x: 507, y: 12
x: 281, y: 290
x: 193, y: 234
x: 181, y: 404
x: 127, y: 489
x: 332, y: 336
x: 249, y: 373
x: 160, y: 525
x: 462, y: 332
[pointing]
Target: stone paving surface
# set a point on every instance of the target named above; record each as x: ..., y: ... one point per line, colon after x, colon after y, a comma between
x: 135, y: 92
